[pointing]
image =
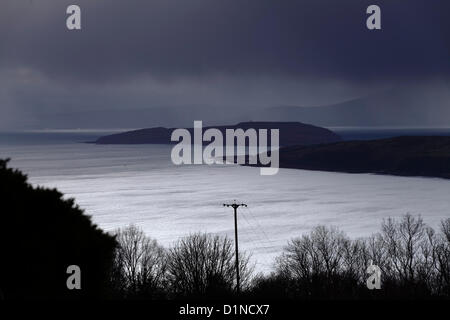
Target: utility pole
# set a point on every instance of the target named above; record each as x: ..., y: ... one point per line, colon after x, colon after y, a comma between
x: 235, y: 206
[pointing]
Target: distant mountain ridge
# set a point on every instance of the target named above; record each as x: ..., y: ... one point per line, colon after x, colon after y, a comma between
x: 400, y: 107
x: 291, y: 133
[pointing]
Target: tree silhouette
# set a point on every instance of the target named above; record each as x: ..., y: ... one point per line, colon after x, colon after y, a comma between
x: 414, y: 262
x: 203, y: 265
x: 41, y: 235
x: 140, y: 265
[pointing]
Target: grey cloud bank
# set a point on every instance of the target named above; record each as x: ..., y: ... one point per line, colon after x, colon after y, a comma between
x: 139, y: 63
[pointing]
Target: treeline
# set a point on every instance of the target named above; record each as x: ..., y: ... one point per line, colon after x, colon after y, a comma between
x: 325, y: 264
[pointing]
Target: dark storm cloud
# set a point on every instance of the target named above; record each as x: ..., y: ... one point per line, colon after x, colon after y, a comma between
x: 166, y: 62
x: 168, y: 38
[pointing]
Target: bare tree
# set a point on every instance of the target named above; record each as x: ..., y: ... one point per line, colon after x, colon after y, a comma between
x: 445, y: 228
x: 409, y: 244
x: 442, y: 258
x: 203, y: 263
x: 140, y: 263
x: 322, y: 263
x: 355, y: 259
x: 415, y: 261
x: 374, y: 250
x: 321, y: 252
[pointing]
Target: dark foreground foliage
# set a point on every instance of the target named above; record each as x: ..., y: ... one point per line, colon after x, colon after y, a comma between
x: 41, y: 235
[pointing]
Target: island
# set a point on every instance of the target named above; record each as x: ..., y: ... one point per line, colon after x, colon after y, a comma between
x: 291, y: 133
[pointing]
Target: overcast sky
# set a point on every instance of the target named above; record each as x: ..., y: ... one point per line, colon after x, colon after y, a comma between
x: 160, y: 61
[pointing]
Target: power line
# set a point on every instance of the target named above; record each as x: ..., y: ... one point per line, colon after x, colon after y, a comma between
x: 258, y: 225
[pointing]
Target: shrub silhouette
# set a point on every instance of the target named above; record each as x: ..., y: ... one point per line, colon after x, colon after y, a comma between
x: 41, y: 235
